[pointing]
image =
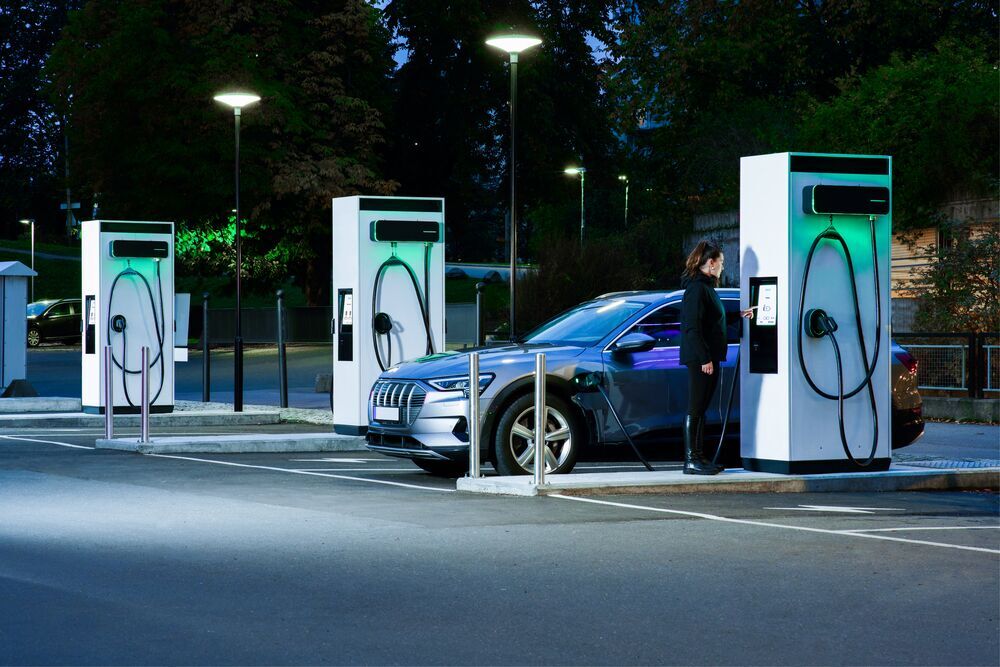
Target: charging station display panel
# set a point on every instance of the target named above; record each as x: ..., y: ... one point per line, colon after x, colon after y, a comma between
x: 764, y: 325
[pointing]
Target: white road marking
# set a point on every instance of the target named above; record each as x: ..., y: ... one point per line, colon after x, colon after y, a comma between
x: 660, y: 465
x: 892, y: 530
x: 333, y: 460
x: 765, y: 524
x: 371, y: 470
x: 47, y: 442
x: 835, y: 508
x: 303, y: 472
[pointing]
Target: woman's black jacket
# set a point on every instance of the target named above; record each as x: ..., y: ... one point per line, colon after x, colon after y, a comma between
x: 703, y: 323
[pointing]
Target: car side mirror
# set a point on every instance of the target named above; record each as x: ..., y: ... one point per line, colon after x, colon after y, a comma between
x: 635, y: 342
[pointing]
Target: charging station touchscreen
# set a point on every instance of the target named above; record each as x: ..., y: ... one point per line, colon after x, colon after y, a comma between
x: 767, y: 306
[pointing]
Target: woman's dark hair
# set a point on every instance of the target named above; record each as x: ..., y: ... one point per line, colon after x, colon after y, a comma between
x: 704, y: 251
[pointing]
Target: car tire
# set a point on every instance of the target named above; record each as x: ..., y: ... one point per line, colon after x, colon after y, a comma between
x: 451, y: 469
x: 513, y: 441
x: 34, y: 338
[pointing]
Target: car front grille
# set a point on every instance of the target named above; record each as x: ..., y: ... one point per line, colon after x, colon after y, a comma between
x: 407, y: 397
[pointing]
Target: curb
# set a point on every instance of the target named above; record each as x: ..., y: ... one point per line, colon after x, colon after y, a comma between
x: 898, y: 478
x: 238, y: 444
x: 79, y: 420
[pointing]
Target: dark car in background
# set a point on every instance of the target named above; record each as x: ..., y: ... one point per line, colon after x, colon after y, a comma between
x: 417, y: 409
x: 56, y: 320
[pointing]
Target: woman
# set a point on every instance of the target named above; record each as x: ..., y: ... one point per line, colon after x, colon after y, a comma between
x: 703, y: 347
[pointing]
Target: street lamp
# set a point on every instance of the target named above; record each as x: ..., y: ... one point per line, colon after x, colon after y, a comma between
x: 513, y: 44
x: 573, y: 171
x: 31, y: 221
x: 237, y: 101
x: 624, y: 179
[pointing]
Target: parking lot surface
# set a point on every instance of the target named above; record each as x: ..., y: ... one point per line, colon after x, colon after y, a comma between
x: 347, y: 558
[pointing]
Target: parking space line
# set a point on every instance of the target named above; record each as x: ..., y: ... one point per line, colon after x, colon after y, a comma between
x: 414, y: 469
x: 891, y: 530
x: 47, y: 442
x: 303, y: 472
x: 765, y: 524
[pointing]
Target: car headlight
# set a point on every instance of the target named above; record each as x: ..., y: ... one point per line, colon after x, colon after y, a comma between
x: 461, y: 382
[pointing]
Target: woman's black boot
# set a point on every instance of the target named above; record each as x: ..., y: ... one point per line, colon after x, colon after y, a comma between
x: 701, y: 447
x: 694, y: 459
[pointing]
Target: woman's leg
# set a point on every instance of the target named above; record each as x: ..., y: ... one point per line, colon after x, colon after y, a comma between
x: 701, y: 386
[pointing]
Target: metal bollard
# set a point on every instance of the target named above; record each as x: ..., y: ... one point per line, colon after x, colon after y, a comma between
x: 474, y: 471
x: 282, y: 365
x: 480, y: 288
x: 540, y: 419
x: 206, y: 363
x: 109, y: 393
x: 144, y: 397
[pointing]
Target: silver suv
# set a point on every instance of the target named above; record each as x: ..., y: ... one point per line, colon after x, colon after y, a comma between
x: 417, y: 409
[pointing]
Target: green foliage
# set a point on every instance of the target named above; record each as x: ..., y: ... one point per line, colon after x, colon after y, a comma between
x: 150, y: 139
x: 936, y: 114
x: 717, y: 80
x: 963, y: 284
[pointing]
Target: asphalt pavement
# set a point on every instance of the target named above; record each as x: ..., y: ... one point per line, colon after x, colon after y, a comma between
x: 112, y: 558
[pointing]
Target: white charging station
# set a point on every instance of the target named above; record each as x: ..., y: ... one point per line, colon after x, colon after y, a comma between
x: 798, y: 213
x: 14, y: 278
x: 388, y: 291
x: 128, y: 302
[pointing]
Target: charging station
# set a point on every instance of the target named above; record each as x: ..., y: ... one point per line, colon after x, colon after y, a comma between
x: 815, y: 234
x: 128, y: 303
x: 388, y: 291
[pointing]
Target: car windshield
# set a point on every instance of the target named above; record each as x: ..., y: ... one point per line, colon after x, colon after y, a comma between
x: 586, y: 324
x: 37, y: 308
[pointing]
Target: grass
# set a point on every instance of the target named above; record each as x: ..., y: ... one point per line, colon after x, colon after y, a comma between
x: 69, y: 250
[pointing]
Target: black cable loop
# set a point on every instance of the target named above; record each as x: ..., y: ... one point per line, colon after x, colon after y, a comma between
x: 395, y: 261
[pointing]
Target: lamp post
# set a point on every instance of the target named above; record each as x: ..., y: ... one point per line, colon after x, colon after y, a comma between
x: 237, y: 101
x: 624, y: 178
x: 513, y: 44
x: 573, y: 171
x: 31, y: 221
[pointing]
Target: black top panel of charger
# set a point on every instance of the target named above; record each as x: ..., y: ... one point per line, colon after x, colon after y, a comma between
x: 125, y: 248
x: 845, y: 199
x: 406, y: 231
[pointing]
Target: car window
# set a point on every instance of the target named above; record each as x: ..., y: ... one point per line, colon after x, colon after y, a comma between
x: 586, y: 324
x: 37, y: 308
x: 664, y: 325
x: 61, y: 309
x: 734, y: 324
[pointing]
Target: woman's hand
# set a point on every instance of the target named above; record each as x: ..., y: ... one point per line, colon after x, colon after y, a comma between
x: 708, y: 368
x: 748, y: 313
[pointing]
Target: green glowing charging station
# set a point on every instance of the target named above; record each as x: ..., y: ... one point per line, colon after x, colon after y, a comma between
x: 815, y: 238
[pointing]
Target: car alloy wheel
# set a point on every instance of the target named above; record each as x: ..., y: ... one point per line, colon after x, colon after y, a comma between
x: 34, y: 338
x: 515, y: 441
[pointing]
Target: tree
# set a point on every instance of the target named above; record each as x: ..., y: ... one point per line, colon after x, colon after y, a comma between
x: 963, y: 284
x: 451, y: 123
x: 140, y: 76
x: 30, y: 137
x: 717, y: 80
x: 935, y: 114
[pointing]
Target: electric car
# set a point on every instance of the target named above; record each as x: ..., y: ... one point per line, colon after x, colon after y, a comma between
x: 626, y: 341
x: 54, y: 320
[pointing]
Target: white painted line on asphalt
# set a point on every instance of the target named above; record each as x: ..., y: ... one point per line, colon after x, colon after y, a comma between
x: 336, y: 460
x: 47, y: 442
x: 835, y: 508
x: 302, y: 472
x: 765, y: 524
x: 371, y: 470
x: 892, y: 530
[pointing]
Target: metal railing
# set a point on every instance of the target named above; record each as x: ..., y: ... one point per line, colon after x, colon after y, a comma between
x: 958, y: 362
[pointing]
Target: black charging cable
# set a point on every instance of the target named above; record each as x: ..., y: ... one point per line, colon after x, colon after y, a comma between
x: 817, y: 324
x: 376, y: 288
x: 118, y: 324
x: 595, y: 380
